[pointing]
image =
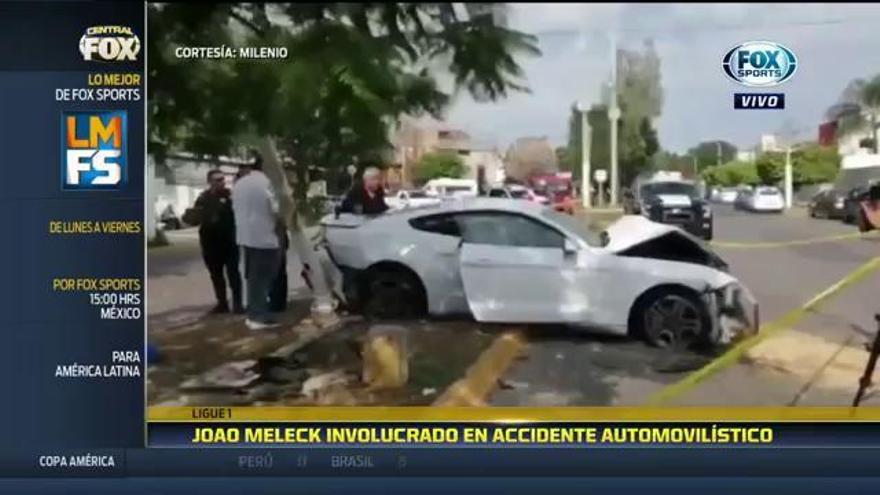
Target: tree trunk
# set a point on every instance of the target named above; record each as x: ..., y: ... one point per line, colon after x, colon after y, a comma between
x: 323, y: 306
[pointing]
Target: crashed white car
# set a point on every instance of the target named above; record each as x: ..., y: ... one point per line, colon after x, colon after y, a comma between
x: 504, y: 260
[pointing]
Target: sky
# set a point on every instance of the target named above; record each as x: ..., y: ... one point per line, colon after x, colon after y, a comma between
x: 834, y: 43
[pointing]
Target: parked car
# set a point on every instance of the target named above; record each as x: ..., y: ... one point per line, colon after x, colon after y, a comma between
x: 674, y: 202
x: 411, y: 199
x: 515, y: 261
x: 446, y: 187
x: 518, y: 192
x: 743, y: 199
x: 762, y: 199
x: 827, y: 204
x: 726, y: 195
x: 852, y: 203
x: 169, y: 220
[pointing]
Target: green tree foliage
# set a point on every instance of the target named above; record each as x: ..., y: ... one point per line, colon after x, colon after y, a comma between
x: 667, y: 160
x: 731, y: 174
x: 770, y: 167
x: 811, y: 164
x: 640, y: 99
x: 707, y: 153
x: 437, y: 165
x: 351, y: 70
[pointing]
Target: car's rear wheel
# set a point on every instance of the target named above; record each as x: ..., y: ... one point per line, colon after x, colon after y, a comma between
x: 393, y: 294
x: 674, y: 318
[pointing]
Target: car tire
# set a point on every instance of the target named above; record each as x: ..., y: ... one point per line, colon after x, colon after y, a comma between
x: 393, y: 294
x: 672, y: 318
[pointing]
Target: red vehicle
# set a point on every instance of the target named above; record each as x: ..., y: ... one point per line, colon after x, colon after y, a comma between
x: 557, y: 187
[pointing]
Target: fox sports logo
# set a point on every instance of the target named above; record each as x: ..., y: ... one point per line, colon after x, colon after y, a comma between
x: 759, y: 64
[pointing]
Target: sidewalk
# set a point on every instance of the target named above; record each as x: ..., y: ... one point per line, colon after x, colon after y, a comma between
x: 178, y: 286
x: 816, y: 363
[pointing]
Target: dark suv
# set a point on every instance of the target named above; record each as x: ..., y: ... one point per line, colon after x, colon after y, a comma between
x: 672, y: 202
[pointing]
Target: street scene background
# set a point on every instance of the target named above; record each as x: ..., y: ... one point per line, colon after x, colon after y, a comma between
x: 500, y: 93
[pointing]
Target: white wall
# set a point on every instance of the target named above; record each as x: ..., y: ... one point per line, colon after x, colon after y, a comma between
x: 491, y: 161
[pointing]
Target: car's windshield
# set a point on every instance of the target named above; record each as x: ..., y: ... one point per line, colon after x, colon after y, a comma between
x: 769, y: 191
x: 586, y: 231
x: 417, y: 194
x: 457, y: 189
x: 519, y: 194
x: 676, y: 188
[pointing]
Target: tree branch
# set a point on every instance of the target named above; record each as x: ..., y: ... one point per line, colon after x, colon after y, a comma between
x: 246, y: 23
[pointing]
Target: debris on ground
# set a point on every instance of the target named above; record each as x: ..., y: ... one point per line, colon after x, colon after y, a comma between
x: 234, y: 375
x: 312, y: 387
x: 511, y: 384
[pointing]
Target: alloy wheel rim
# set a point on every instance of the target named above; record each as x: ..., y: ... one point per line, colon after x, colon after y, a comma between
x: 673, y: 321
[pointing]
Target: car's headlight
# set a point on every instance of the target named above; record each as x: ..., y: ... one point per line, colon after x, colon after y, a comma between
x: 838, y: 203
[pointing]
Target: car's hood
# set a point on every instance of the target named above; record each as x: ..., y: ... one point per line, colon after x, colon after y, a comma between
x: 674, y: 199
x: 631, y: 230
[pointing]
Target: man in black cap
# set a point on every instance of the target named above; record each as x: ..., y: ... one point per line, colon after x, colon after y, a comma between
x: 213, y: 213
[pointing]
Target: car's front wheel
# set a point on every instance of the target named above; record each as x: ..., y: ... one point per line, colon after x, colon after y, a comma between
x: 673, y: 318
x: 393, y: 294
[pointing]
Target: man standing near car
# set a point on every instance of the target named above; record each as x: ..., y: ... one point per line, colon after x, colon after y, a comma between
x: 256, y: 218
x: 214, y: 215
x: 368, y: 197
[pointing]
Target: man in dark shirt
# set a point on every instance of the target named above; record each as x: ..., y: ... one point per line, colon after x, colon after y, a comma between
x: 368, y: 197
x: 213, y: 212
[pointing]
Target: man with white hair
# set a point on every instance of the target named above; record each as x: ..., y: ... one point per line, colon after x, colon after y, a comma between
x: 366, y: 197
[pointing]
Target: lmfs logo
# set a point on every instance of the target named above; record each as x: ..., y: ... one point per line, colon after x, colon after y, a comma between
x: 109, y: 44
x: 93, y: 147
x: 759, y: 63
x: 758, y: 101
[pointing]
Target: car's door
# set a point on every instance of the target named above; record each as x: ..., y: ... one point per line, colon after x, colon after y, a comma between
x: 515, y: 268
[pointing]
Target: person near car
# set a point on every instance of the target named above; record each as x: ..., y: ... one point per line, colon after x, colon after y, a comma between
x: 256, y: 219
x: 214, y: 213
x: 366, y: 197
x: 278, y: 292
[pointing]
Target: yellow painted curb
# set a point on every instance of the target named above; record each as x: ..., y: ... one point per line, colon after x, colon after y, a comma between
x: 798, y: 242
x: 482, y: 376
x: 738, y: 351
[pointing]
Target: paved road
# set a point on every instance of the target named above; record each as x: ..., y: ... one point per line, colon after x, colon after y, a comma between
x: 565, y: 369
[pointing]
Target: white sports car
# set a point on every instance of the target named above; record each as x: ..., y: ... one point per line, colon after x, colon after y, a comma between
x: 505, y: 260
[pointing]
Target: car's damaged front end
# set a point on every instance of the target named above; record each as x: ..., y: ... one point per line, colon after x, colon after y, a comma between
x: 734, y: 311
x: 733, y: 308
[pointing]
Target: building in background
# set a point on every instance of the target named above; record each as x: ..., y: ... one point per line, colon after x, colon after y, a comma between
x: 746, y: 155
x: 769, y: 142
x: 415, y: 138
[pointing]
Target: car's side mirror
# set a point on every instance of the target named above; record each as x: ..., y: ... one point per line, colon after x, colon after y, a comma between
x: 569, y: 247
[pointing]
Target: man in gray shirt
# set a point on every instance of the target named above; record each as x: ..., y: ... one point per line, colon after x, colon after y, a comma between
x: 256, y: 219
